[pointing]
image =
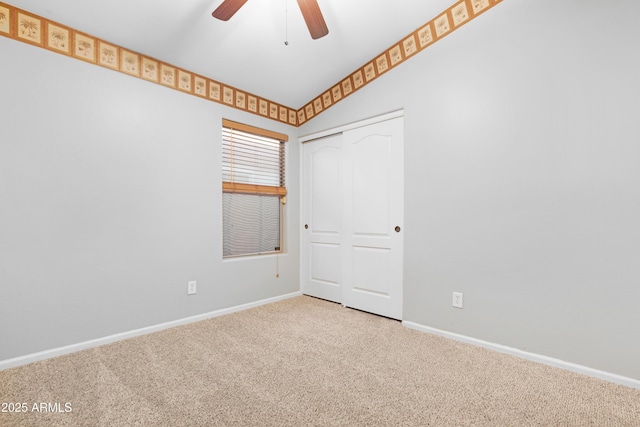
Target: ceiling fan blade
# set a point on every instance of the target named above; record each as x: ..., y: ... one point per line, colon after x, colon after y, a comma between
x: 227, y: 9
x: 313, y: 17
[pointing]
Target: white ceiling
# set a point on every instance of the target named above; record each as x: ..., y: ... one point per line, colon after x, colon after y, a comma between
x: 248, y: 51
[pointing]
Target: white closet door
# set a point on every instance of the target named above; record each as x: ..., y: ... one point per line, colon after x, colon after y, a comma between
x: 352, y: 205
x: 322, y: 214
x: 373, y: 218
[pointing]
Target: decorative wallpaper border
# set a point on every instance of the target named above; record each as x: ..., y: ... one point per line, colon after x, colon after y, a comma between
x: 442, y: 25
x: 32, y: 29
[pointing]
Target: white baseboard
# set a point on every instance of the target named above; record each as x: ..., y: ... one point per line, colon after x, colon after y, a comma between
x: 607, y: 376
x: 47, y: 354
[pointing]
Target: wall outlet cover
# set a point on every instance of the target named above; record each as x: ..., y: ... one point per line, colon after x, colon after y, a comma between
x: 191, y: 287
x: 457, y: 299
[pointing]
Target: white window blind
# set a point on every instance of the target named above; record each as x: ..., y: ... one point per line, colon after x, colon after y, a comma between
x: 251, y: 224
x: 253, y: 183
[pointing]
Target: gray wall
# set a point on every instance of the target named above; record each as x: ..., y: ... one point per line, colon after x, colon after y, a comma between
x: 110, y: 201
x: 522, y: 154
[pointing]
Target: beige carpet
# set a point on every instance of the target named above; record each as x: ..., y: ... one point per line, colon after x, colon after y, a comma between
x: 305, y: 362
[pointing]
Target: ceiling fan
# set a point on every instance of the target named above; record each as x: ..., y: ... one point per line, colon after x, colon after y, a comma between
x: 309, y: 8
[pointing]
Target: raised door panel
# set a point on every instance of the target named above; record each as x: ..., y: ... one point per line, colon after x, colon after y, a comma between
x: 372, y: 278
x: 321, y: 265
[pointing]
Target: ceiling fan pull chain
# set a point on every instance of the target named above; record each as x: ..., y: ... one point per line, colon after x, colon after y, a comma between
x: 286, y: 23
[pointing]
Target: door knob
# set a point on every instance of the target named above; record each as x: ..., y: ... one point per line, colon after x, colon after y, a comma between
x: 306, y: 226
x: 397, y: 228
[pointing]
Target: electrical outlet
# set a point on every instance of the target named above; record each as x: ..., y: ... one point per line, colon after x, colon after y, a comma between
x: 457, y: 299
x: 191, y: 287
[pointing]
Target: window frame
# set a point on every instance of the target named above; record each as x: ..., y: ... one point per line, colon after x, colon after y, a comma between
x: 256, y: 189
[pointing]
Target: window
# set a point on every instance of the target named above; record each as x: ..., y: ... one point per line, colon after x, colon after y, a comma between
x: 253, y: 186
